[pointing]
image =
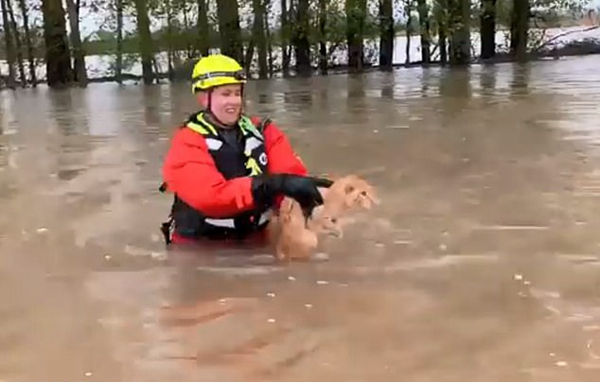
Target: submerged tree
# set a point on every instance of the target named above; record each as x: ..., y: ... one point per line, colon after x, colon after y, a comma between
x: 18, y: 44
x: 28, y: 43
x: 284, y: 36
x: 58, y: 58
x: 9, y: 44
x: 300, y: 40
x: 519, y: 29
x: 459, y: 12
x: 424, y: 28
x: 386, y: 34
x: 488, y: 28
x: 259, y: 39
x: 356, y: 13
x: 203, y: 30
x: 441, y: 17
x: 80, y: 74
x: 229, y: 29
x: 145, y: 38
x: 119, y: 61
x: 322, y: 33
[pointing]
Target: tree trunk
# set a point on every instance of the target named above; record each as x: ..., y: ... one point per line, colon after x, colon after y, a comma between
x: 460, y: 41
x: 424, y: 27
x: 186, y: 27
x: 146, y: 49
x: 58, y: 59
x: 386, y: 34
x: 10, y: 49
x: 77, y: 48
x: 18, y: 45
x: 441, y: 18
x: 443, y: 43
x: 229, y: 29
x: 259, y: 37
x: 268, y: 37
x: 170, y: 69
x: 156, y: 69
x: 30, y: 56
x: 519, y: 29
x: 323, y: 56
x: 249, y: 54
x: 488, y: 28
x: 356, y: 11
x: 285, y: 37
x: 300, y: 39
x: 203, y: 30
x: 408, y: 11
x: 119, y: 63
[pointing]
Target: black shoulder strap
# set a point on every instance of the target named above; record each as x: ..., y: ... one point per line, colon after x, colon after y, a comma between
x: 263, y: 124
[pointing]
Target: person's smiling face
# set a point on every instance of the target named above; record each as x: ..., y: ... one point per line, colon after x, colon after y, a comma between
x: 225, y: 103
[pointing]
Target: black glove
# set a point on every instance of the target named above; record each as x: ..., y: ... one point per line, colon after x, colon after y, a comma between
x: 303, y: 189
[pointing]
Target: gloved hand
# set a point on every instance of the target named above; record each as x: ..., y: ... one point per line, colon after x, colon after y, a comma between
x: 303, y: 189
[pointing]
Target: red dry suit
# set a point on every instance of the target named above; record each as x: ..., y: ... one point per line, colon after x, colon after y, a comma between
x: 211, y: 176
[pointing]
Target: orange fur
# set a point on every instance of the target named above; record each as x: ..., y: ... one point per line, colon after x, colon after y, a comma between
x: 296, y: 238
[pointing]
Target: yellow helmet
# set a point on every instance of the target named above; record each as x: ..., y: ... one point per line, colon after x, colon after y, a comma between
x: 216, y: 70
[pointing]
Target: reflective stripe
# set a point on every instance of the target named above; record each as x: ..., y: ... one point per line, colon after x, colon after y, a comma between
x: 251, y: 144
x: 207, y: 125
x: 230, y: 223
x: 197, y: 128
x: 213, y: 144
x: 247, y: 126
x: 253, y: 166
x: 201, y: 126
x: 226, y: 223
x: 238, y: 75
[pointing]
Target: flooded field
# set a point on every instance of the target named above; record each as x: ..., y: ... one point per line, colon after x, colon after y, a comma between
x: 481, y: 264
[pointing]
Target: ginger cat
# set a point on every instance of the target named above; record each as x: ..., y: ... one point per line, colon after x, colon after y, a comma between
x: 296, y: 237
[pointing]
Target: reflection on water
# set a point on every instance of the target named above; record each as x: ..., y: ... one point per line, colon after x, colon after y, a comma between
x: 480, y: 265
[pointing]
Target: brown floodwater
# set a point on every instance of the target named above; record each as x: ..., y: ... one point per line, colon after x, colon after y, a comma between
x: 481, y: 264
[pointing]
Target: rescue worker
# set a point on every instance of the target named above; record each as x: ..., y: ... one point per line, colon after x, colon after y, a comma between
x: 227, y: 170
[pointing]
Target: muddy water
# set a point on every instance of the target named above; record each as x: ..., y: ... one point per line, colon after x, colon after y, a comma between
x: 481, y: 264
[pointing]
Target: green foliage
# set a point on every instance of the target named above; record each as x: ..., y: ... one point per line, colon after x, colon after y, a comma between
x: 180, y: 33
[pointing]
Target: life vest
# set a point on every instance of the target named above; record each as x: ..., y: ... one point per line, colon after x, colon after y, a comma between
x: 190, y: 223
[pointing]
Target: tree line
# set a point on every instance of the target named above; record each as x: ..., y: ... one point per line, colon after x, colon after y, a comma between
x: 290, y: 36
